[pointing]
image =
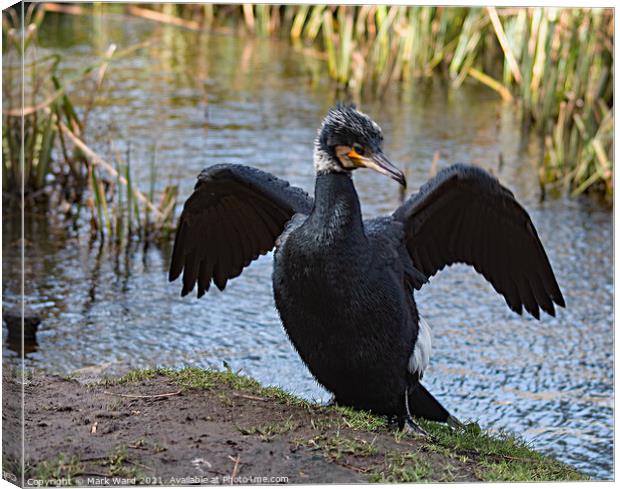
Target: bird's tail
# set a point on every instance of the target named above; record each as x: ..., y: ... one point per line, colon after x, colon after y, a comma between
x: 422, y: 404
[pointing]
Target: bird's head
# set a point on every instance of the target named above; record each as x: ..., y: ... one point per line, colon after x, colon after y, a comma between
x: 349, y: 139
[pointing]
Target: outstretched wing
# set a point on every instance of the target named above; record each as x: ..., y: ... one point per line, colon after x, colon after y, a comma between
x: 464, y: 215
x: 234, y: 215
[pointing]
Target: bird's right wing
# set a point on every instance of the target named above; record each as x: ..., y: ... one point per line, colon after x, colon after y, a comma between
x: 234, y: 215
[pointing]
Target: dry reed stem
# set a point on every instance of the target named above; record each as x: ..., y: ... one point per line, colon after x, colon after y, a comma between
x: 491, y: 83
x: 98, y: 160
x: 163, y: 18
x: 62, y: 8
x: 503, y: 41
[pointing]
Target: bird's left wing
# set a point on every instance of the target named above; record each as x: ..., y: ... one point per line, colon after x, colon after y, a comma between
x: 234, y: 215
x: 465, y: 215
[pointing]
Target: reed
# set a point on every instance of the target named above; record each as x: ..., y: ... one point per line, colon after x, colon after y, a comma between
x: 120, y: 212
x: 134, y: 213
x: 54, y: 163
x: 39, y: 131
x: 556, y: 64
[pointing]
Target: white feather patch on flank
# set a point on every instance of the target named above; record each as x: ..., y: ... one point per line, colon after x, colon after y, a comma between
x: 421, y: 356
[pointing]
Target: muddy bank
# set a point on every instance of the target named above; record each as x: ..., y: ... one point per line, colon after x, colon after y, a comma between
x: 197, y: 426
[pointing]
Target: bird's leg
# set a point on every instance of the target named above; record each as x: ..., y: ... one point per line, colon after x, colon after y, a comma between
x: 412, y: 426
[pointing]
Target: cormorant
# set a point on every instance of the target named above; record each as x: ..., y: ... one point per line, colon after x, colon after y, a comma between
x: 344, y: 286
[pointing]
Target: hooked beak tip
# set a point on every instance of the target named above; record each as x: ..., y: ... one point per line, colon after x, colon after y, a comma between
x: 383, y: 165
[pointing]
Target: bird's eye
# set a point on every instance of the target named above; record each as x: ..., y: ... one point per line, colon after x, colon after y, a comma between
x: 358, y: 149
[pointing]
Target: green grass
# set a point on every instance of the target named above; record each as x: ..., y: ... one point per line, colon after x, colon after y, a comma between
x: 504, y: 456
x: 359, y: 419
x: 403, y: 467
x: 119, y: 465
x: 116, y: 462
x: 197, y: 378
x: 134, y: 376
x: 337, y: 446
x: 58, y: 468
x: 268, y: 431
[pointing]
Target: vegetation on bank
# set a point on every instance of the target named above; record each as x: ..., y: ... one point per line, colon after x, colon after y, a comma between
x: 153, y: 426
x: 335, y: 432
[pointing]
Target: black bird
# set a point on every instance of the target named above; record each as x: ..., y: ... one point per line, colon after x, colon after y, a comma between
x: 344, y: 286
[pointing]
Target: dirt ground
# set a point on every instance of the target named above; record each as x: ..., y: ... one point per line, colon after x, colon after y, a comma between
x: 198, y: 427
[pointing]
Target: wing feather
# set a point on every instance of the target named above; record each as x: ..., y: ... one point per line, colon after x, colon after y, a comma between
x: 222, y: 263
x: 204, y: 277
x: 233, y: 216
x: 241, y: 234
x: 232, y: 247
x: 189, y: 277
x: 464, y: 215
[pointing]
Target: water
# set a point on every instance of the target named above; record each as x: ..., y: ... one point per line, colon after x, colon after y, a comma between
x: 202, y: 100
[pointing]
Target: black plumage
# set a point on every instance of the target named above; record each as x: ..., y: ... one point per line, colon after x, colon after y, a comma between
x: 344, y: 286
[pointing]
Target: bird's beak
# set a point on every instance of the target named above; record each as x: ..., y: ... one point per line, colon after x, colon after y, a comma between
x: 379, y: 162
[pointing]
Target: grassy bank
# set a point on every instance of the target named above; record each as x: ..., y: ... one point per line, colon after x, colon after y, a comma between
x: 158, y: 425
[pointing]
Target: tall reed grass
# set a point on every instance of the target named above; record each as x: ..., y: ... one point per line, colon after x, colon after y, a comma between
x: 39, y: 132
x: 54, y: 165
x: 556, y: 64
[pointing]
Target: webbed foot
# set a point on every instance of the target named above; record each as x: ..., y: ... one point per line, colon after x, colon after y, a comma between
x: 408, y: 425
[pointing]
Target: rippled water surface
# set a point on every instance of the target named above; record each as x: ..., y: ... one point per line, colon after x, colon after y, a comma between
x: 204, y: 99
